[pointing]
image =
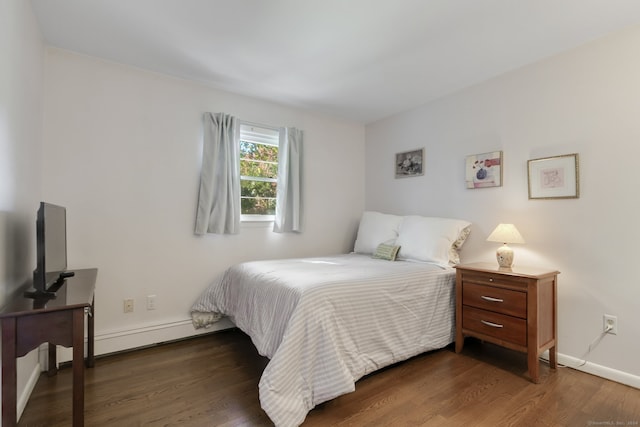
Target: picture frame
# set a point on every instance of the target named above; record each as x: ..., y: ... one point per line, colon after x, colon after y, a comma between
x: 554, y: 177
x: 409, y: 163
x: 484, y: 170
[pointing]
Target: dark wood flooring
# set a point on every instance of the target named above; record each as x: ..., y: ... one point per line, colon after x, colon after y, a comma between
x: 212, y: 380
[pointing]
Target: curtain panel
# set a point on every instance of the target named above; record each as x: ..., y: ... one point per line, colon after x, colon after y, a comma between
x: 219, y: 197
x: 289, y: 189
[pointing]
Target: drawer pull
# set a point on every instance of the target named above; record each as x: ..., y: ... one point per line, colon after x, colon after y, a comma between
x: 493, y: 325
x: 492, y: 299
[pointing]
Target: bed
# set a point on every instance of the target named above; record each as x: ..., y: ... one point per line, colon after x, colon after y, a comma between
x: 325, y: 322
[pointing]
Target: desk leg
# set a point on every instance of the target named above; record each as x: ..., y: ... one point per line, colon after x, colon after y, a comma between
x: 78, y: 367
x: 9, y: 380
x: 53, y: 360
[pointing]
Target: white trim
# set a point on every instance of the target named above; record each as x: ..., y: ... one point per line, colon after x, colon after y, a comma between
x: 597, y: 370
x: 152, y: 334
x: 259, y: 125
x: 257, y: 218
x: 258, y: 178
x: 129, y: 339
x: 23, y: 399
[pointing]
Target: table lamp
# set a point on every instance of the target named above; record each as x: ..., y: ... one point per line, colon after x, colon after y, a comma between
x: 505, y: 233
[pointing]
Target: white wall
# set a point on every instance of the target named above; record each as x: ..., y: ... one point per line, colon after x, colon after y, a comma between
x: 585, y: 101
x: 21, y: 76
x: 123, y: 154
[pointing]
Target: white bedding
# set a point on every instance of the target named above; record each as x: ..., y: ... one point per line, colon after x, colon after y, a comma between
x: 326, y: 322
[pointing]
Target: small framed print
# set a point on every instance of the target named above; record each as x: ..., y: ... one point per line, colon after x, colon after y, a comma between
x: 484, y: 170
x: 409, y: 163
x: 554, y: 177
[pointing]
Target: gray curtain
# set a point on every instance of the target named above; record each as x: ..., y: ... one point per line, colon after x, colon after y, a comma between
x: 289, y: 193
x: 219, y: 199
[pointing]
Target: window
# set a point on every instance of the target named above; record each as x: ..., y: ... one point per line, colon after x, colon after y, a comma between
x: 258, y: 172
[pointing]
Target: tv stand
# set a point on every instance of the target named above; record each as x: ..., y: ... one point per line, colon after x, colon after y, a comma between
x: 39, y: 295
x: 50, y: 292
x: 29, y: 322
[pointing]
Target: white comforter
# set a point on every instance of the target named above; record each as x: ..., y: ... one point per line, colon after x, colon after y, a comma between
x: 326, y: 322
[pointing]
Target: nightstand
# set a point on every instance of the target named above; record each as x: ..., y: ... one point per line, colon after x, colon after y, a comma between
x: 514, y: 308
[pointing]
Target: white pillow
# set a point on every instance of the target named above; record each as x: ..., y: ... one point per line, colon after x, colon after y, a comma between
x: 431, y: 239
x: 376, y: 228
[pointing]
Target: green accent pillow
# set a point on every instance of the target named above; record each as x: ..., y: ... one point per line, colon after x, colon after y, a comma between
x: 385, y: 251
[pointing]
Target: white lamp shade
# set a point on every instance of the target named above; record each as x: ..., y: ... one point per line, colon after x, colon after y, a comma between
x: 505, y: 233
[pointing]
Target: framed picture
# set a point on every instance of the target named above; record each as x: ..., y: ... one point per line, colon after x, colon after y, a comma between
x: 554, y: 177
x: 484, y: 170
x: 409, y: 163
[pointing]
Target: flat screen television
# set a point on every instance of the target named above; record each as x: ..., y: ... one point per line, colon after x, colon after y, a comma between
x: 51, y: 250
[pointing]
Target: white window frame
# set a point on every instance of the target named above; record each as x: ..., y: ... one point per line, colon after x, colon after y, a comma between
x: 260, y: 134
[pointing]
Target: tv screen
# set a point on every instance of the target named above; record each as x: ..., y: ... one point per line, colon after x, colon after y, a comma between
x: 51, y: 245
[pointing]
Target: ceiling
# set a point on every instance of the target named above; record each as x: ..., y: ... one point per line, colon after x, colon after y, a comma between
x: 361, y: 60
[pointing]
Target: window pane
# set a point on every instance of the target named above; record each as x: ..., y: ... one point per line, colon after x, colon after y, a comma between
x: 251, y: 188
x: 256, y: 151
x: 258, y: 160
x: 258, y: 206
x: 257, y: 197
x: 258, y: 169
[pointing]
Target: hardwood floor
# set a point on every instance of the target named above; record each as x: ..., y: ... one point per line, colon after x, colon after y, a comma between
x: 212, y: 380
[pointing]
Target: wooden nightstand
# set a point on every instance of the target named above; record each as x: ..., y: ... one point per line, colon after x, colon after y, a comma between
x: 514, y: 308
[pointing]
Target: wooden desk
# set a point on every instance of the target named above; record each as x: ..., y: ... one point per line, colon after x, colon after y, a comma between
x: 27, y: 323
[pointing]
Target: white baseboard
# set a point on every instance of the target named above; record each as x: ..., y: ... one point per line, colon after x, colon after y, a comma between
x: 597, y: 370
x: 600, y: 371
x: 28, y: 389
x: 106, y: 343
x: 129, y: 339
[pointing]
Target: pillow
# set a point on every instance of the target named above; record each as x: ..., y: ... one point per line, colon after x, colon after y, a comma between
x: 385, y: 251
x: 431, y: 239
x: 376, y: 228
x: 454, y: 254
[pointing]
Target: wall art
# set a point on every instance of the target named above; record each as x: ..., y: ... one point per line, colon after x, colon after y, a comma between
x: 410, y: 163
x: 554, y: 177
x: 484, y: 170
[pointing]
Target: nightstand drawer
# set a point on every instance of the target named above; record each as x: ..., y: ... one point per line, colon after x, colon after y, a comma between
x: 506, y: 328
x: 483, y: 278
x: 505, y: 301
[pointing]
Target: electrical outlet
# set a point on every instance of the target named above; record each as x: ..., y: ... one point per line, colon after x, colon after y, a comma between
x: 610, y: 325
x: 151, y: 302
x: 128, y: 305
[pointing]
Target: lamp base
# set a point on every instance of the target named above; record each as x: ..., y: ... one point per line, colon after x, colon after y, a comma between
x: 504, y: 254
